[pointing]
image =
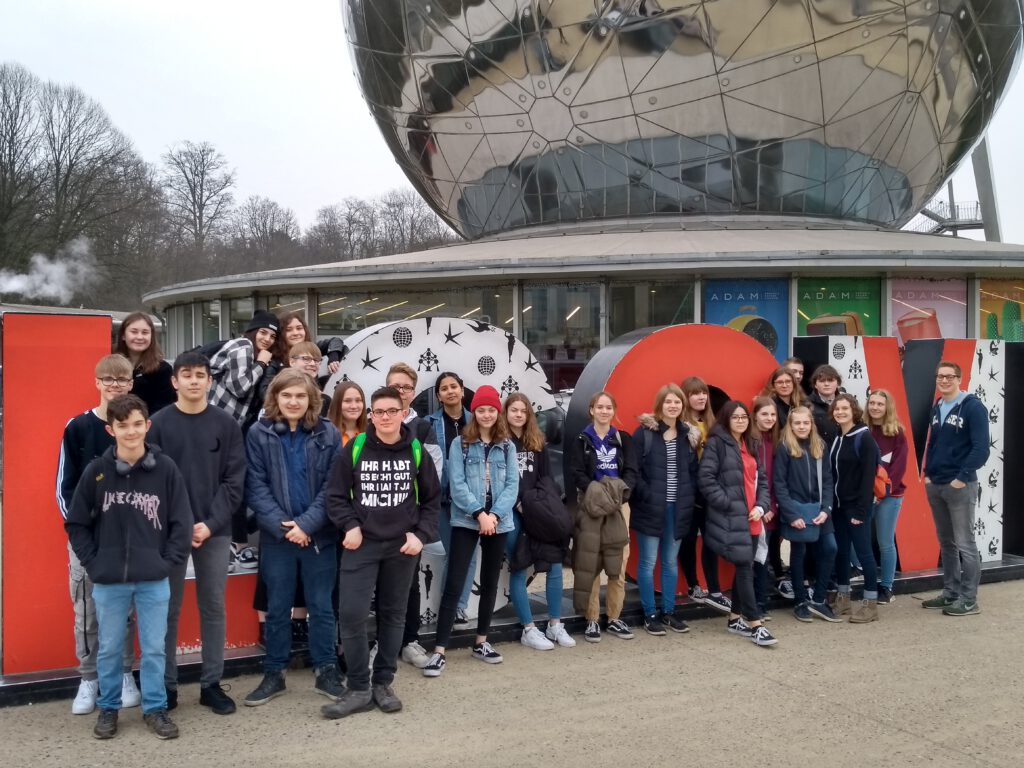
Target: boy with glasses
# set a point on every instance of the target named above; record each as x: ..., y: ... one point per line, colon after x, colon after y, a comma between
x: 403, y: 379
x: 385, y: 497
x: 85, y: 438
x: 957, y: 447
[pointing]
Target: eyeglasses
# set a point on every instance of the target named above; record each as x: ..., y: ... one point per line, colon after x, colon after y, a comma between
x: 739, y: 417
x: 306, y: 359
x: 946, y: 376
x: 109, y: 381
x: 380, y: 413
x: 403, y: 387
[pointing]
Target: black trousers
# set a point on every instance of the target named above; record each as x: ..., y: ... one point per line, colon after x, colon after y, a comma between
x: 492, y: 550
x: 688, y: 554
x: 380, y: 566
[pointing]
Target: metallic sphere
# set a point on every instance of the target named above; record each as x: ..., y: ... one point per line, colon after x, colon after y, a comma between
x: 514, y: 113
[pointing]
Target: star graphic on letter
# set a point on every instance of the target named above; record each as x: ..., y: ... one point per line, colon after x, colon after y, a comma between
x: 452, y: 336
x: 531, y: 362
x: 368, y: 363
x: 992, y: 375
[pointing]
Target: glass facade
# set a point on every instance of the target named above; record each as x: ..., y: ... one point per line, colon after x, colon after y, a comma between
x: 565, y: 323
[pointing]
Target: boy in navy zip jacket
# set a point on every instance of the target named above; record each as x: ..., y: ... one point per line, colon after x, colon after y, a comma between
x: 129, y: 523
x: 958, y: 446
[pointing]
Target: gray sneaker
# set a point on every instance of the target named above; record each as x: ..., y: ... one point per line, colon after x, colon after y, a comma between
x: 161, y: 724
x: 385, y: 698
x: 349, y: 703
x: 270, y: 687
x: 328, y: 682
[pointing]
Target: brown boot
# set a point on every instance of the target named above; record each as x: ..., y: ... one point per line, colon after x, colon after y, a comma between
x: 842, y: 606
x: 868, y: 611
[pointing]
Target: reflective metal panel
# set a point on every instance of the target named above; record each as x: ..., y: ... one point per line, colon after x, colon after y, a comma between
x: 512, y: 113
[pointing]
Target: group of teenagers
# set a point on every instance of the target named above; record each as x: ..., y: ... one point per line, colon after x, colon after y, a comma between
x: 346, y: 491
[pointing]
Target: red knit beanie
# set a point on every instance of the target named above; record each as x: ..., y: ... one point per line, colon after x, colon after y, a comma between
x: 486, y: 395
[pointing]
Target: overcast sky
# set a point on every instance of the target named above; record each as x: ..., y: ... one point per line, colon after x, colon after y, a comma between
x: 269, y: 82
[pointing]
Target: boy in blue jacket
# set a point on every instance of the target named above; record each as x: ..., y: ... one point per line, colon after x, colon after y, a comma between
x: 958, y: 446
x: 129, y: 524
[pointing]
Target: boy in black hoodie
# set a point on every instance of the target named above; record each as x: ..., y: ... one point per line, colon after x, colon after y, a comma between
x: 129, y: 523
x: 958, y: 446
x: 385, y: 497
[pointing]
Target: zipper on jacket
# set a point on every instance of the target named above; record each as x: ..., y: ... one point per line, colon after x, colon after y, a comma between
x: 127, y: 544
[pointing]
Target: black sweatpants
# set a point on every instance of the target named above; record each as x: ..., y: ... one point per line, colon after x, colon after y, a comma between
x: 492, y: 550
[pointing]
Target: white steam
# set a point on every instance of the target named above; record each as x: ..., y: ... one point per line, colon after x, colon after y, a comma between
x: 70, y: 269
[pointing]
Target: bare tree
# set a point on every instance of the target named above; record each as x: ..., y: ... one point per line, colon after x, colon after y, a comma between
x: 265, y: 231
x: 20, y: 176
x: 87, y: 162
x: 198, y: 185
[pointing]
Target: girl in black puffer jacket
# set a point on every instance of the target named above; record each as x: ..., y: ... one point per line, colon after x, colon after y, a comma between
x: 736, y: 490
x: 662, y: 505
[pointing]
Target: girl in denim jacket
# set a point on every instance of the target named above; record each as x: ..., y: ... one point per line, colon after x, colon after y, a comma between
x: 484, y: 482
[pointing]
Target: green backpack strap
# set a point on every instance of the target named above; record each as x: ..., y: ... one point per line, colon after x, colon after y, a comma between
x: 357, y: 448
x: 417, y: 457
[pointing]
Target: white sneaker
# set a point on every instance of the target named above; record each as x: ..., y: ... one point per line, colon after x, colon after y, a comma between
x: 534, y: 638
x: 556, y: 633
x: 85, y: 699
x: 415, y: 654
x: 130, y: 696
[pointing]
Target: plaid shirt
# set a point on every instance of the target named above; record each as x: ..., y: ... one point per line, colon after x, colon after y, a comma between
x: 235, y: 375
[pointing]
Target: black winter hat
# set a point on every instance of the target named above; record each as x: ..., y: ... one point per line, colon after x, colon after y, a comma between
x: 263, y: 319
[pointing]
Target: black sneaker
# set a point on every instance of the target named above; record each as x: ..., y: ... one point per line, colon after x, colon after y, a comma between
x: 719, y: 602
x: 162, y: 725
x: 739, y: 627
x: 435, y: 666
x: 384, y: 697
x: 885, y: 596
x: 823, y: 611
x: 485, y: 653
x: 106, y: 724
x: 214, y: 697
x: 349, y: 703
x: 653, y: 625
x: 802, y: 613
x: 328, y: 682
x: 172, y: 698
x: 270, y: 687
x: 592, y: 634
x: 461, y: 619
x: 669, y: 621
x: 762, y: 637
x: 620, y: 629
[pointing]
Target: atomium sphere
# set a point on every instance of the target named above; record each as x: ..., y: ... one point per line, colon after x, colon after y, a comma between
x: 516, y: 113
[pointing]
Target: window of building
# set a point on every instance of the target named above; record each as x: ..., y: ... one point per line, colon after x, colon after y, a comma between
x: 211, y: 320
x: 643, y: 304
x: 241, y: 314
x: 1001, y: 303
x: 561, y: 324
x: 839, y: 306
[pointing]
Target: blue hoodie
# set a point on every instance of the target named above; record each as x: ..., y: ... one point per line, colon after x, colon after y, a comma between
x: 957, y: 447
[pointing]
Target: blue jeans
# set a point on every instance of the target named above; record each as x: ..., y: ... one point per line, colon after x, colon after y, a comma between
x: 113, y: 606
x: 446, y: 542
x: 824, y: 556
x: 887, y: 511
x: 651, y: 547
x: 860, y: 536
x: 281, y: 562
x: 517, y: 582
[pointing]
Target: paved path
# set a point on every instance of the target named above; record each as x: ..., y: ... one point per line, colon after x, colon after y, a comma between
x: 917, y: 688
